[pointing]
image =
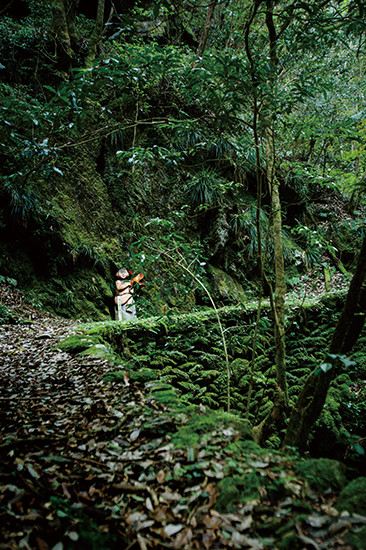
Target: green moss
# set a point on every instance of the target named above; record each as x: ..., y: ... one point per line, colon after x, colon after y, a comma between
x: 187, y: 386
x: 154, y: 388
x: 353, y: 497
x: 102, y: 352
x: 186, y: 353
x: 322, y: 473
x: 77, y: 343
x: 358, y: 538
x: 224, y: 287
x: 175, y: 373
x: 143, y: 375
x: 197, y: 426
x: 233, y: 490
x: 246, y: 446
x: 289, y: 541
x: 83, y: 293
x: 168, y: 398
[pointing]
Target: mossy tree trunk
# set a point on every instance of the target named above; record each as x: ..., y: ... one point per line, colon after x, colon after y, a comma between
x: 312, y: 398
x: 71, y: 8
x: 259, y: 177
x: 62, y: 36
x: 280, y: 283
x: 96, y: 35
x: 267, y: 121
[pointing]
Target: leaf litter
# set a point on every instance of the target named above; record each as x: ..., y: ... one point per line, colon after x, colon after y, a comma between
x: 87, y: 463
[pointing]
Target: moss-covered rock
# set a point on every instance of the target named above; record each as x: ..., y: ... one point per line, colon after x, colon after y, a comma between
x: 77, y: 343
x: 235, y: 489
x: 197, y: 426
x: 143, y: 375
x: 353, y: 497
x: 322, y: 474
x: 224, y: 288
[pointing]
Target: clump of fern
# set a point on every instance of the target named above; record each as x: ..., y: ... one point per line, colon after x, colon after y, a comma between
x: 24, y: 204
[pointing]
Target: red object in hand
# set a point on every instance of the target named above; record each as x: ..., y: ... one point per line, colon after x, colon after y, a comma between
x: 137, y: 279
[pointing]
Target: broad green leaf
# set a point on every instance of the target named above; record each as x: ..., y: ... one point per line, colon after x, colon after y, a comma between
x: 325, y: 367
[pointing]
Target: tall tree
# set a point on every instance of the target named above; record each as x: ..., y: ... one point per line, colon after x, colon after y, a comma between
x: 96, y: 35
x: 311, y: 400
x: 206, y: 28
x: 62, y: 36
x: 274, y: 190
x: 71, y: 9
x: 264, y: 84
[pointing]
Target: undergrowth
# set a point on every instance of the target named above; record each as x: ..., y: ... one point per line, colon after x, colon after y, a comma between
x: 181, y: 359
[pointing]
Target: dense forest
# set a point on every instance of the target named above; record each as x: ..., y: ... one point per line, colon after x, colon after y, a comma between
x: 216, y: 150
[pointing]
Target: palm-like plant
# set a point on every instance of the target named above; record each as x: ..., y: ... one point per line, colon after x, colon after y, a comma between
x: 205, y: 189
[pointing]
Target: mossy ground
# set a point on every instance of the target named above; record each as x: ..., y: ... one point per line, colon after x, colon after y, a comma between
x: 353, y: 497
x: 182, y: 359
x: 323, y: 474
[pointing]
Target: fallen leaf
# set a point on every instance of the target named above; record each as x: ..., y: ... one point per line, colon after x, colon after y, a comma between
x: 245, y: 524
x: 32, y: 471
x: 42, y: 545
x: 341, y: 525
x: 149, y: 504
x: 134, y: 435
x: 172, y: 529
x: 160, y: 476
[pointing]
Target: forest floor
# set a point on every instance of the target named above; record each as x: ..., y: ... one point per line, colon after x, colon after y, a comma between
x: 87, y: 463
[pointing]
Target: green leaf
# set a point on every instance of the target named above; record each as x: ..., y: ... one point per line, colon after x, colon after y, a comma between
x: 325, y: 367
x: 50, y: 89
x: 359, y: 450
x: 347, y: 362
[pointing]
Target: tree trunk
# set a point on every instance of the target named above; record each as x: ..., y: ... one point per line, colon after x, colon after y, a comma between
x: 278, y: 309
x: 62, y: 37
x: 280, y: 284
x: 96, y: 34
x: 71, y: 8
x: 311, y: 400
x: 206, y: 28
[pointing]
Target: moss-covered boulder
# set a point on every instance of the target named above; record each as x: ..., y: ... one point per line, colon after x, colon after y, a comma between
x: 322, y: 474
x: 224, y: 287
x: 353, y: 497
